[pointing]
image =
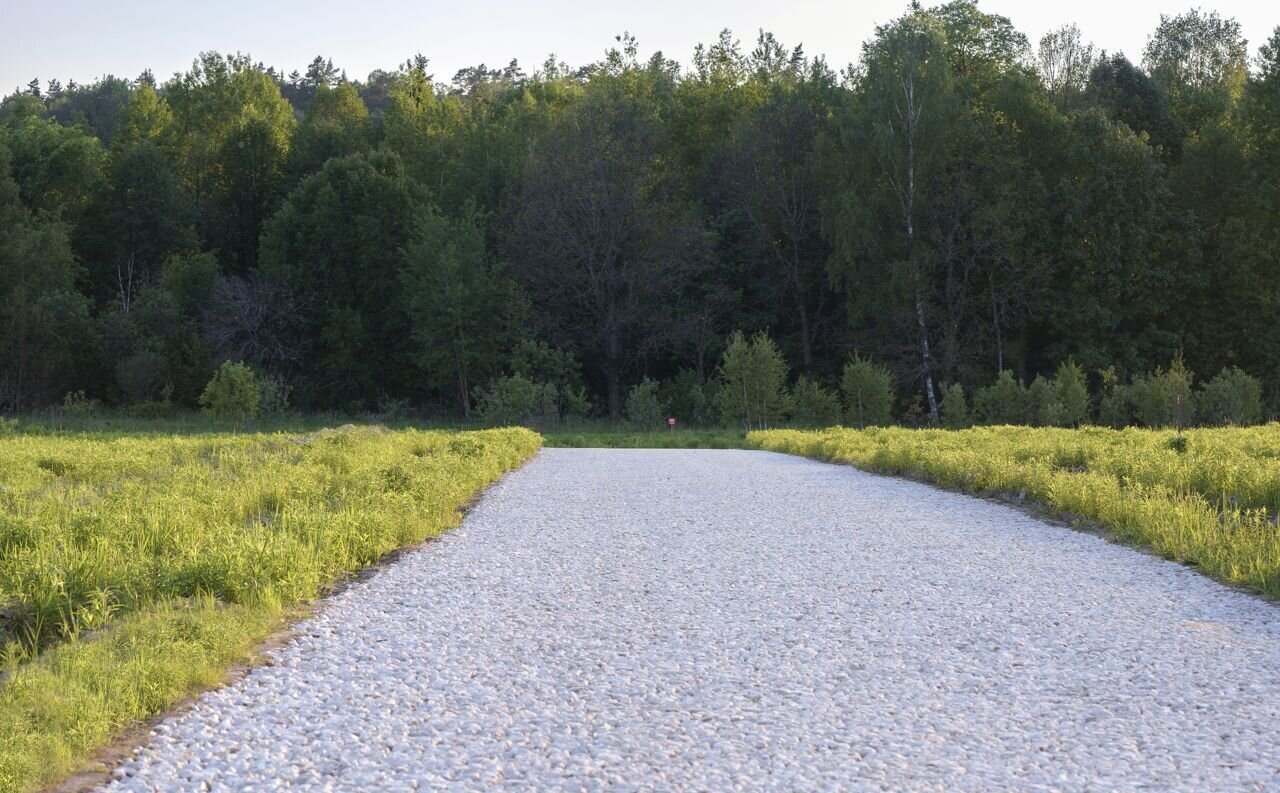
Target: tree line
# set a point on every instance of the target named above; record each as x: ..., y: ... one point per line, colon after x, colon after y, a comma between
x: 960, y: 209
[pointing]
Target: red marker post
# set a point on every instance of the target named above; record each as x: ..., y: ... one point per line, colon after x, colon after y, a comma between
x: 671, y: 424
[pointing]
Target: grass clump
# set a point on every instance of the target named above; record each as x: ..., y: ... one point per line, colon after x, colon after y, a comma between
x: 134, y: 570
x: 1210, y: 498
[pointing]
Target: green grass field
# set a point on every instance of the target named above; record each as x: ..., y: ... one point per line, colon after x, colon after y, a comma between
x: 136, y: 568
x: 1210, y: 500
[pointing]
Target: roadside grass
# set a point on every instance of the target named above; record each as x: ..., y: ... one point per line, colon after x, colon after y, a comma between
x: 135, y: 570
x: 115, y: 422
x: 1213, y: 505
x: 605, y: 436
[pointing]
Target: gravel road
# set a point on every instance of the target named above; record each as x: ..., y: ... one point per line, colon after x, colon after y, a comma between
x: 722, y: 620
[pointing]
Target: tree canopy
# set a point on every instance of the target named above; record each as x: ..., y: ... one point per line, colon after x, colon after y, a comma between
x: 959, y: 207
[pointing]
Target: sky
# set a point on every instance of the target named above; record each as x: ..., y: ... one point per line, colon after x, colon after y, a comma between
x: 86, y: 39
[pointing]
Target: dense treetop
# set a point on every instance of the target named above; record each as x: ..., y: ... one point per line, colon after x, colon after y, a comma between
x: 958, y: 203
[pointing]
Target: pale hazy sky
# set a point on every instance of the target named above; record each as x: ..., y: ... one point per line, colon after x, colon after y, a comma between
x: 85, y: 39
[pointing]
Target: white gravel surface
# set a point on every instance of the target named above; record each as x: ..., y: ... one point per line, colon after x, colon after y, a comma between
x: 724, y: 620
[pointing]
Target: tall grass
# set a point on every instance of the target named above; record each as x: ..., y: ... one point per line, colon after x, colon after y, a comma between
x: 1212, y: 504
x: 134, y: 569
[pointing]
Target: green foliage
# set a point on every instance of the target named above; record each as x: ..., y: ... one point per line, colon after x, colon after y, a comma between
x: 644, y: 408
x: 234, y: 394
x: 159, y: 561
x: 538, y: 362
x: 753, y: 378
x: 868, y: 393
x: 1044, y: 408
x: 338, y: 242
x: 1200, y: 61
x: 232, y: 130
x: 512, y: 400
x: 464, y: 312
x: 1002, y: 402
x: 337, y: 124
x: 1232, y: 397
x: 942, y: 204
x: 1155, y: 396
x: 1114, y: 408
x: 954, y: 408
x: 76, y: 405
x: 685, y: 396
x: 1072, y: 393
x: 814, y: 406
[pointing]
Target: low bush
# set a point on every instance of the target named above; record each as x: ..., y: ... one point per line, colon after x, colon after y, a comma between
x: 644, y: 409
x: 813, y: 406
x: 868, y: 393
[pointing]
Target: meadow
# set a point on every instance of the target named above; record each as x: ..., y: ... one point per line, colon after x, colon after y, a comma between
x: 1206, y: 497
x: 136, y: 568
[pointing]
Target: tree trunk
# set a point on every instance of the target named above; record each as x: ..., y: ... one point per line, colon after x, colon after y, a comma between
x: 925, y: 359
x: 612, y: 375
x: 806, y: 347
x: 995, y: 323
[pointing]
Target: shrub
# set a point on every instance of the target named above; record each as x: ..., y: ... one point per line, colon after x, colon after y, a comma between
x: 1073, y: 393
x: 1232, y: 397
x: 814, y: 406
x: 1043, y: 407
x: 574, y: 403
x: 516, y: 400
x: 538, y: 362
x: 76, y: 405
x: 686, y: 398
x: 1114, y: 405
x: 389, y: 408
x: 1002, y: 402
x: 954, y: 408
x: 643, y: 407
x: 868, y: 393
x: 1154, y: 397
x: 753, y: 379
x: 275, y: 395
x: 234, y: 394
x: 152, y: 409
x: 141, y: 376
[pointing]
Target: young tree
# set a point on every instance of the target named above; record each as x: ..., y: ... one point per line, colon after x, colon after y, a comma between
x: 954, y: 408
x: 753, y: 378
x: 1072, y: 393
x: 813, y: 406
x: 902, y: 120
x: 868, y: 393
x: 234, y: 394
x: 463, y: 311
x: 644, y: 409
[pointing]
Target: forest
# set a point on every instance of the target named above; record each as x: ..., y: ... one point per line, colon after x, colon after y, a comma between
x: 961, y: 208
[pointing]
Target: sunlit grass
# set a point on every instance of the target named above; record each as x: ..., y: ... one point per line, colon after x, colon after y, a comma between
x: 1213, y: 505
x: 136, y: 569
